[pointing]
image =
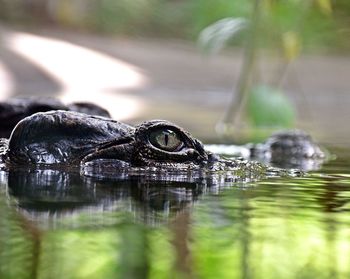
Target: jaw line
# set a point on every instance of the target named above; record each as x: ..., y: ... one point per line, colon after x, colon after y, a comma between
x: 112, y: 150
x: 115, y: 142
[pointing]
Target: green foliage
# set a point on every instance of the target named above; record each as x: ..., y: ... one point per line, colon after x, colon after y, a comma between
x: 206, y: 12
x: 312, y: 27
x: 120, y: 16
x: 185, y: 19
x: 291, y: 45
x: 214, y: 37
x: 325, y: 6
x: 268, y: 107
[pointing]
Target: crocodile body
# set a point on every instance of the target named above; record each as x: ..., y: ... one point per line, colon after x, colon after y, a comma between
x: 97, y: 144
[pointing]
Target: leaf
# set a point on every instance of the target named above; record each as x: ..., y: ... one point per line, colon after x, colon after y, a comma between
x: 214, y: 37
x: 268, y: 107
x: 325, y: 6
x: 291, y: 45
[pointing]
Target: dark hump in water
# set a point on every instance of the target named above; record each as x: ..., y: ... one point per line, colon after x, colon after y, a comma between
x: 61, y: 136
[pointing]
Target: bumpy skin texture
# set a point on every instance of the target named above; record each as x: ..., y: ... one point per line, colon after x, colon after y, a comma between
x: 61, y: 137
x: 69, y: 139
x: 16, y: 109
x: 147, y: 154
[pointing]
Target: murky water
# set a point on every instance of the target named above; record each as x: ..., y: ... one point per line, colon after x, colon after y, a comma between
x: 56, y: 224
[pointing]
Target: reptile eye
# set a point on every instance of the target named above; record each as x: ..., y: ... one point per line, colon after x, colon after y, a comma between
x: 166, y: 140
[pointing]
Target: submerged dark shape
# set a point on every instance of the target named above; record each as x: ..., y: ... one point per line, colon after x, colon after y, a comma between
x: 46, y: 193
x: 285, y: 149
x: 100, y: 145
x: 14, y: 110
x: 291, y: 148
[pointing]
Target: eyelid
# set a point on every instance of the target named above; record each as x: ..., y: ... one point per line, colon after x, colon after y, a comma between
x: 162, y: 132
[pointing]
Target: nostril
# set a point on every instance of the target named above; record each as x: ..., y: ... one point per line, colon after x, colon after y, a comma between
x: 191, y: 152
x: 213, y: 157
x: 202, y: 157
x: 195, y: 155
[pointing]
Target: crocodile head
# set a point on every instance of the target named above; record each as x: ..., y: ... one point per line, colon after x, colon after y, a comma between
x: 101, y: 145
x: 70, y: 138
x: 157, y: 144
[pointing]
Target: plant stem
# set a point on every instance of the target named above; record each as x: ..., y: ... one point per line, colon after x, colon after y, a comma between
x: 300, y: 23
x: 235, y: 109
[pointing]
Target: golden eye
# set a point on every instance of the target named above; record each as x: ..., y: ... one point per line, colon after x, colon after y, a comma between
x: 166, y: 140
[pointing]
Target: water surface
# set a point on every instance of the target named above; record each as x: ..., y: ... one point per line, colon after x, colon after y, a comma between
x: 57, y: 224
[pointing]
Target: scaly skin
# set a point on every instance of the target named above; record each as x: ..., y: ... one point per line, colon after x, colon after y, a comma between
x: 103, y: 146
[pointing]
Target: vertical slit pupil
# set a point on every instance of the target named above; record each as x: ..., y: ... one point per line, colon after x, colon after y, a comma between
x: 166, y: 138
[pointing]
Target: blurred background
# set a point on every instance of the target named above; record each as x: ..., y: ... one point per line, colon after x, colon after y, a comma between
x: 226, y: 70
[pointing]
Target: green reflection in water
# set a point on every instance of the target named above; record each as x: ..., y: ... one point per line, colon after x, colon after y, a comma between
x: 276, y: 228
x: 79, y: 254
x: 129, y: 250
x: 19, y: 243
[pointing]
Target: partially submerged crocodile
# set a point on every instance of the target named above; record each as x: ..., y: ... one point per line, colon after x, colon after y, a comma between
x: 285, y: 149
x: 68, y: 139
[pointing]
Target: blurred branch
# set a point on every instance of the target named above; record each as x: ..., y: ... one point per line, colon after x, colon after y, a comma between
x: 213, y: 38
x: 245, y: 79
x: 292, y: 42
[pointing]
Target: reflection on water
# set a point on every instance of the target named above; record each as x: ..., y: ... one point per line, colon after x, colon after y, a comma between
x: 45, y: 195
x: 56, y: 224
